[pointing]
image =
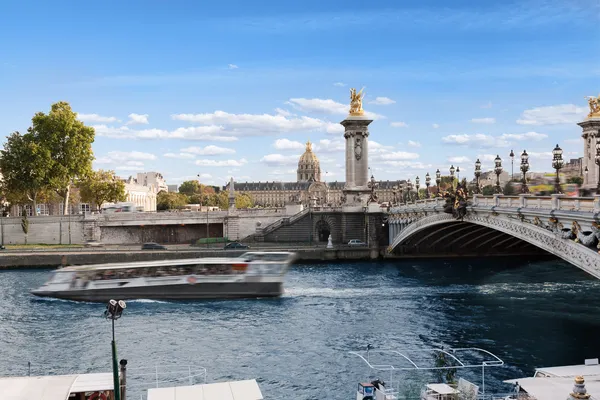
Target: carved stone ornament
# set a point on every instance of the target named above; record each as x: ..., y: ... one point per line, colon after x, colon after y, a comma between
x: 358, y: 148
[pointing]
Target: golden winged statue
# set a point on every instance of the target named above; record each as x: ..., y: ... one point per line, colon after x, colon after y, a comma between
x: 356, y: 102
x: 594, y: 103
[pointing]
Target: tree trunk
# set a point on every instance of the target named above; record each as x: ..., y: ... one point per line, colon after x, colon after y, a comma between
x: 64, y: 193
x: 34, y: 201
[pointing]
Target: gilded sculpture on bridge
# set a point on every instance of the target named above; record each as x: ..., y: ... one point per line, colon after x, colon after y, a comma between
x: 594, y: 103
x: 356, y: 102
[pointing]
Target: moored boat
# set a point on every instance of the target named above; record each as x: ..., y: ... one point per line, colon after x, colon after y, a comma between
x: 253, y: 274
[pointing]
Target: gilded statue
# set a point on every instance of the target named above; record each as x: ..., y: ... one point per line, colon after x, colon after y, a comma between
x: 356, y: 102
x: 594, y: 103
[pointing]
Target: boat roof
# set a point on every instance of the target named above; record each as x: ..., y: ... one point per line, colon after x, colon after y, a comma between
x: 233, y: 390
x: 570, y: 371
x: 554, y: 388
x: 420, y: 359
x: 53, y: 387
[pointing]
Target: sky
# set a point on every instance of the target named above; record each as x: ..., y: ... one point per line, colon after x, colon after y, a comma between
x: 235, y: 88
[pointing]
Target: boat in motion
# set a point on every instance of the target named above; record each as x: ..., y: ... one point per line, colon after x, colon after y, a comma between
x: 253, y: 274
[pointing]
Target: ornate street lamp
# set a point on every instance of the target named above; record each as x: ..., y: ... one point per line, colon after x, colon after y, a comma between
x: 438, y: 179
x: 557, y: 164
x: 598, y: 163
x: 524, y: 169
x: 417, y: 184
x: 427, y: 183
x: 452, y: 170
x: 512, y: 165
x: 498, y: 171
x: 114, y: 310
x: 477, y: 175
x: 458, y: 174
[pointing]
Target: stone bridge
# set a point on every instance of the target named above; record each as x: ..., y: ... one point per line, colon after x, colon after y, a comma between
x: 566, y: 227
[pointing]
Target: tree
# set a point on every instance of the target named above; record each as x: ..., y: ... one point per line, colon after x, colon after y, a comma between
x: 578, y: 180
x: 25, y: 169
x: 242, y: 200
x: 190, y: 188
x: 69, y: 143
x: 488, y: 190
x: 170, y: 201
x: 100, y: 187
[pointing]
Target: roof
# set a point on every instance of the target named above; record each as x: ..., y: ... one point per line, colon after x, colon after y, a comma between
x: 554, y: 388
x: 570, y: 371
x: 56, y: 387
x: 442, y: 388
x: 235, y: 390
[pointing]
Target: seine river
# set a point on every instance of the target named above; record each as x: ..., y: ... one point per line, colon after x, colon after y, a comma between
x: 530, y: 313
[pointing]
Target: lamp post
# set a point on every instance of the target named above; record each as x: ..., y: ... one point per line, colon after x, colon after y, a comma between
x: 477, y: 175
x: 524, y: 169
x: 458, y: 174
x: 557, y: 164
x: 438, y: 179
x: 427, y: 183
x: 452, y: 170
x: 114, y: 310
x: 498, y: 171
x: 512, y: 165
x: 598, y: 164
x: 417, y: 185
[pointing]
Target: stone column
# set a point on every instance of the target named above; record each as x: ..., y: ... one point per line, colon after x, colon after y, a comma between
x: 591, y: 134
x: 356, y: 136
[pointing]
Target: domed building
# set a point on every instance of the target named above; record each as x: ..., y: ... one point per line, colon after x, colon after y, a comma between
x: 309, y: 169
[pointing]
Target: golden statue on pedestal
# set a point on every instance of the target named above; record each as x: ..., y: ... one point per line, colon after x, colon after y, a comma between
x: 594, y: 103
x: 356, y: 102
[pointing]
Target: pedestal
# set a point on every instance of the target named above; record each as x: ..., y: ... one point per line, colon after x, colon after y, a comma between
x: 356, y: 135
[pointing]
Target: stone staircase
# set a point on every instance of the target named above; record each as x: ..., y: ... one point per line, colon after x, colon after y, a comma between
x: 286, y: 229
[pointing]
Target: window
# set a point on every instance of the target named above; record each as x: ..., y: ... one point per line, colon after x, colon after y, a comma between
x: 84, y: 208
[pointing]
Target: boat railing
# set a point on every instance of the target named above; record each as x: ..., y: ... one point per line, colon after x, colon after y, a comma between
x: 141, y: 378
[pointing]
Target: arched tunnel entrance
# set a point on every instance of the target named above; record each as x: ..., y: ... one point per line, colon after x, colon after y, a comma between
x: 464, y: 238
x: 323, y: 231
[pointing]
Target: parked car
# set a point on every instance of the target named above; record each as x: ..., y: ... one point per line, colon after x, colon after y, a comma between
x: 235, y: 245
x: 153, y: 246
x: 356, y: 243
x: 93, y: 243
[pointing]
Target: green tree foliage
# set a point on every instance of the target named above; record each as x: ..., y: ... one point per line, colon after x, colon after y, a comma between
x: 100, y: 187
x: 577, y: 180
x: 243, y: 200
x: 24, y: 165
x: 509, y: 189
x: 488, y: 190
x: 69, y: 143
x: 190, y: 188
x: 170, y: 201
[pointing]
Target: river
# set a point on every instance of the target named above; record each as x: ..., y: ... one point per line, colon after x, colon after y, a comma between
x: 531, y: 313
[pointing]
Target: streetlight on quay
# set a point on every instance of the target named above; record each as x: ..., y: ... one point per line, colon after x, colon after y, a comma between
x: 452, y: 170
x: 557, y: 164
x: 427, y: 183
x: 458, y: 174
x: 477, y: 175
x: 114, y: 310
x: 524, y: 169
x: 498, y: 171
x: 417, y: 185
x: 512, y: 165
x: 438, y: 179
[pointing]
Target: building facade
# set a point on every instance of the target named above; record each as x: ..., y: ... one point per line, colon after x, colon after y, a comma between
x: 152, y: 179
x: 308, y: 188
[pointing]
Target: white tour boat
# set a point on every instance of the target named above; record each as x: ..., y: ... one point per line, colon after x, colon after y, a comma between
x: 253, y: 274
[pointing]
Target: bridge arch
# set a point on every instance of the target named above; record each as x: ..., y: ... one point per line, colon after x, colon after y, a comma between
x: 508, y: 233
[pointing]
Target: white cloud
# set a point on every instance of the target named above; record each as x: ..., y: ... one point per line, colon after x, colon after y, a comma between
x: 486, y: 157
x: 399, y: 124
x: 130, y: 155
x: 286, y: 144
x: 279, y: 159
x: 326, y: 106
x: 524, y: 136
x: 435, y: 126
x: 208, y: 150
x: 135, y: 119
x: 332, y: 146
x: 179, y: 155
x: 540, y: 155
x: 487, y: 105
x: 407, y: 165
x: 396, y: 156
x: 259, y: 124
x: 221, y: 163
x: 129, y: 168
x: 200, y: 133
x: 339, y: 84
x: 553, y: 115
x: 459, y: 159
x: 232, y: 66
x: 382, y: 101
x: 483, y: 120
x: 412, y: 143
x: 476, y: 140
x: 284, y: 113
x: 95, y: 118
x: 574, y: 141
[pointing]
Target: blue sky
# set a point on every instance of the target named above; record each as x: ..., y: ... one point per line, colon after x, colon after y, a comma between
x: 235, y: 88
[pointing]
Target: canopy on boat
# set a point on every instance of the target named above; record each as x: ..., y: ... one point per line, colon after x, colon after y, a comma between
x: 235, y: 390
x: 57, y: 387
